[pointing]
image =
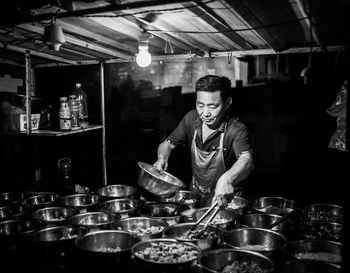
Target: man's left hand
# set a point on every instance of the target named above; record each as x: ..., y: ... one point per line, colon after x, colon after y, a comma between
x: 224, y: 191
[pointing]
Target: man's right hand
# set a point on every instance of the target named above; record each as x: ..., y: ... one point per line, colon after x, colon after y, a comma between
x: 161, y: 164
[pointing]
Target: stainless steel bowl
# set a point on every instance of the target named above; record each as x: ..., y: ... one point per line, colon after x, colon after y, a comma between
x: 124, y: 207
x: 320, y: 230
x: 265, y: 241
x: 97, y: 220
x: 83, y: 202
x: 273, y: 205
x: 239, y: 204
x: 54, y: 242
x: 263, y: 220
x: 162, y: 247
x: 13, y: 212
x: 118, y: 191
x: 224, y: 219
x: 179, y: 232
x: 11, y: 198
x: 214, y: 261
x: 304, y: 266
x: 311, y: 249
x: 323, y: 212
x: 13, y: 234
x: 164, y: 212
x: 54, y: 216
x: 159, y: 184
x: 40, y: 201
x: 105, y: 248
x: 143, y: 227
x: 189, y: 196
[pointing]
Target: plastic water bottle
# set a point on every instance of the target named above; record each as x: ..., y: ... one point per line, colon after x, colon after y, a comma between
x: 81, y: 98
x: 74, y: 112
x: 64, y: 115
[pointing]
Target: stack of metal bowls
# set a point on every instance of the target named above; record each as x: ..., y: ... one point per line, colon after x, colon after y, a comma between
x: 234, y: 260
x: 143, y: 227
x: 118, y: 191
x: 317, y: 250
x: 105, y: 249
x: 94, y: 221
x: 84, y: 202
x: 273, y: 205
x: 54, y: 216
x: 305, y: 266
x: 225, y: 219
x: 164, y: 212
x: 165, y: 255
x: 265, y: 241
x: 210, y: 239
x: 159, y: 184
x: 189, y: 197
x: 124, y: 207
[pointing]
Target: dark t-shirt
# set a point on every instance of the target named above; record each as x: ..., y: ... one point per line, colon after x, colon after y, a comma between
x: 236, y: 139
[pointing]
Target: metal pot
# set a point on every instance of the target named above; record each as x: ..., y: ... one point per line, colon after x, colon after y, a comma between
x: 164, y: 212
x: 94, y: 221
x: 54, y: 216
x: 161, y: 184
x: 304, y: 266
x: 124, y: 207
x: 214, y: 261
x: 143, y: 227
x: 263, y: 220
x: 13, y: 212
x: 189, y: 196
x: 323, y: 212
x: 274, y: 205
x: 84, y: 202
x: 11, y: 198
x: 40, y: 201
x: 118, y: 191
x: 179, y: 231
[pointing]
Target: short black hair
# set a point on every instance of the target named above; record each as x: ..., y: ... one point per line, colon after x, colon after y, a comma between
x: 214, y: 83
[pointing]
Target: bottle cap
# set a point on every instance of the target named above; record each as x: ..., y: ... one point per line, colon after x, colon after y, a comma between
x: 63, y: 99
x: 71, y: 96
x: 78, y: 85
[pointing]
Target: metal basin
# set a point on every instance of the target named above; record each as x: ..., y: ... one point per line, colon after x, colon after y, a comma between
x: 239, y: 204
x: 319, y: 250
x: 13, y: 212
x: 165, y: 248
x: 304, y: 266
x: 322, y: 212
x: 143, y: 227
x: 214, y: 261
x: 40, y: 201
x: 211, y: 238
x: 54, y: 216
x: 320, y: 230
x: 273, y: 205
x: 105, y: 248
x: 98, y: 220
x: 267, y: 242
x: 118, y: 191
x: 13, y: 234
x: 11, y: 198
x: 224, y: 219
x: 124, y: 207
x: 83, y: 202
x: 190, y: 198
x: 263, y: 220
x: 54, y: 242
x: 163, y: 211
x: 159, y: 184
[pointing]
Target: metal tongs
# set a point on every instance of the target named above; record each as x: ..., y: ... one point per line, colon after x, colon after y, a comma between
x: 216, y: 209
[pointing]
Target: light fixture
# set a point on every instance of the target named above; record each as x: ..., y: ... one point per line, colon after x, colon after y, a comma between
x: 143, y: 58
x: 53, y: 36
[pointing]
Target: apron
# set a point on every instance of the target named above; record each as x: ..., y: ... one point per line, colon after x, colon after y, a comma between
x: 207, y: 168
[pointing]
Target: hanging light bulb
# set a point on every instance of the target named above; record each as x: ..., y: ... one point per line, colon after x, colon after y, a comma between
x: 53, y: 36
x: 143, y: 58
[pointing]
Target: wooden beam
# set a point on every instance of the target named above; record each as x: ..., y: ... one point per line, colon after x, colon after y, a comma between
x: 36, y: 53
x: 210, y: 17
x: 71, y: 39
x: 5, y: 61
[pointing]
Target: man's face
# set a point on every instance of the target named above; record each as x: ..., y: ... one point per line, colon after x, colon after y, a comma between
x: 211, y: 108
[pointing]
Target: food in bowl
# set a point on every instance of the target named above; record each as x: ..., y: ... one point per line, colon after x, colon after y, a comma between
x: 167, y: 253
x: 241, y: 267
x: 196, y: 235
x: 320, y: 256
x: 109, y: 249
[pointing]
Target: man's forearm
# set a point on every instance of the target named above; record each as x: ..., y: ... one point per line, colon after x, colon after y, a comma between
x: 241, y: 169
x: 164, y: 150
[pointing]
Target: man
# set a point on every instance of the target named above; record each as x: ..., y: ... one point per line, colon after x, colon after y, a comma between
x: 221, y: 151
